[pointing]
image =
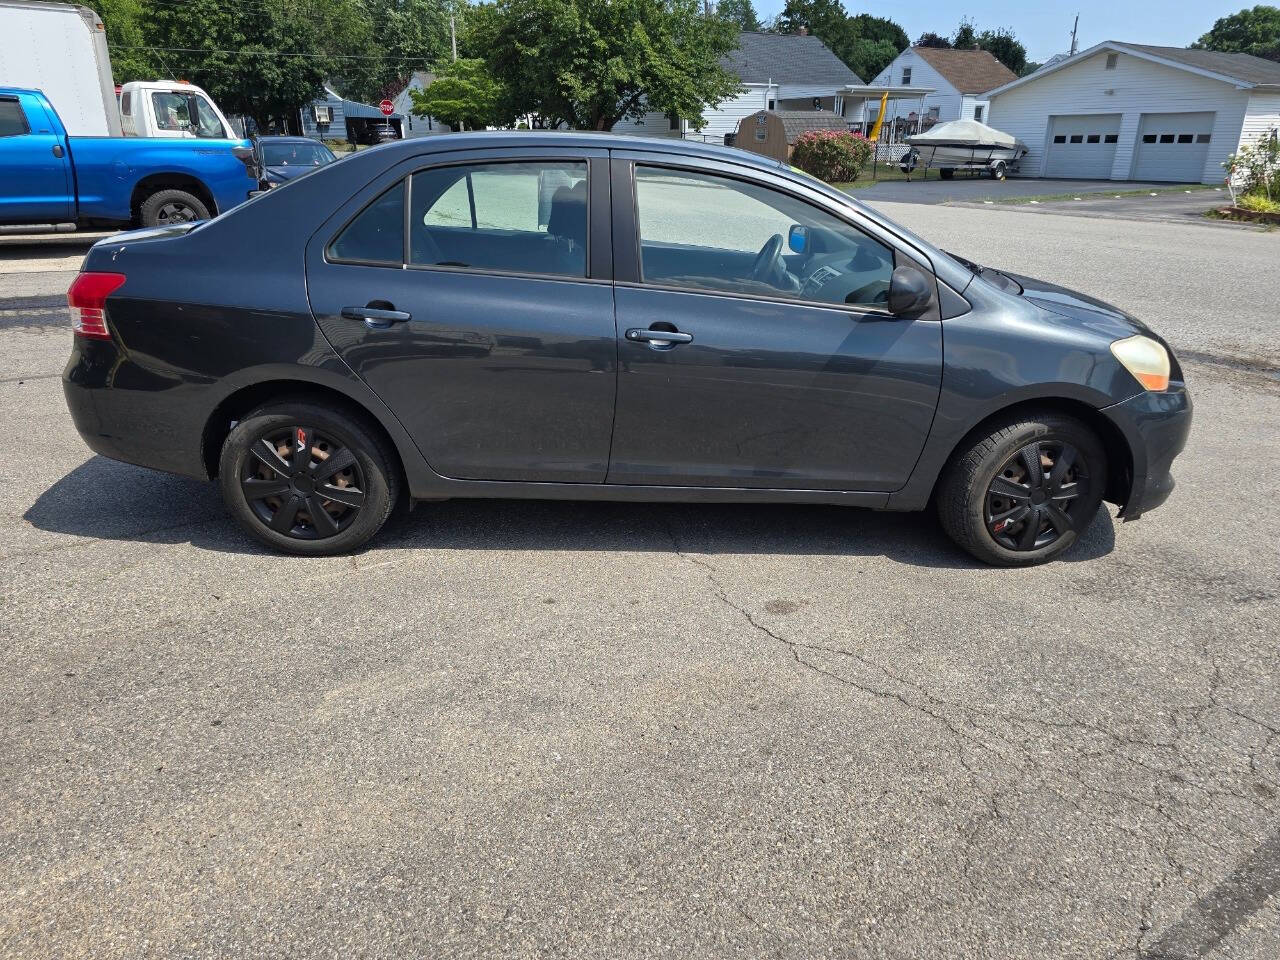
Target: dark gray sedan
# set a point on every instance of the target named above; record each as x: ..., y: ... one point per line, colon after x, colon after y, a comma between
x: 608, y: 318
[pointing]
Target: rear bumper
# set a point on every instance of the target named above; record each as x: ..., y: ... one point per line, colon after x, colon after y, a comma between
x: 1156, y: 427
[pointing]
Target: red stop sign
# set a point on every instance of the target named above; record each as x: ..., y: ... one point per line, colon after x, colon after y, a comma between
x: 387, y: 108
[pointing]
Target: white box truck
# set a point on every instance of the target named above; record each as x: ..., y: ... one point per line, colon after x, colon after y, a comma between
x: 61, y: 49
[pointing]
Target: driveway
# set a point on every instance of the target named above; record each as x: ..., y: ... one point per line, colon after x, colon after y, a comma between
x: 625, y: 730
x: 964, y: 188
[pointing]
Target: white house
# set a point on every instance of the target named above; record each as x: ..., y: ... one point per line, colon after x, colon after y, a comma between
x: 778, y: 72
x: 960, y: 80
x: 1127, y: 111
x: 417, y: 126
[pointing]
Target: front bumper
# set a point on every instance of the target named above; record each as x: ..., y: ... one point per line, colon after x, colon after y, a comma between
x: 1155, y: 426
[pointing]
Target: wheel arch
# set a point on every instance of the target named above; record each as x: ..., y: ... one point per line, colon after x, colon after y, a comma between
x: 170, y: 180
x: 237, y: 404
x: 1119, y: 454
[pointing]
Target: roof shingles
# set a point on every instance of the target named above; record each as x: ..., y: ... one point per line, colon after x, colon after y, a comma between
x: 969, y: 71
x: 787, y: 58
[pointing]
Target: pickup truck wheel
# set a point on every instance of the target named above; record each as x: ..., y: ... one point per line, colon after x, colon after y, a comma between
x: 171, y: 206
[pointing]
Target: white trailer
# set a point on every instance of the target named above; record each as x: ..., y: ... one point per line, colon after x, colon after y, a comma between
x: 61, y: 49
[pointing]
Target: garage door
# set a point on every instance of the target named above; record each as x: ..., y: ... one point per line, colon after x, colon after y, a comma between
x: 1173, y: 146
x: 1082, y: 147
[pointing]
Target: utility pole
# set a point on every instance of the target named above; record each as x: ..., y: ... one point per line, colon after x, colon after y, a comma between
x: 453, y: 36
x: 1075, y: 26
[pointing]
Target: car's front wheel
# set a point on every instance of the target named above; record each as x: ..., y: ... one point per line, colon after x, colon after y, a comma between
x: 306, y: 479
x: 1025, y: 492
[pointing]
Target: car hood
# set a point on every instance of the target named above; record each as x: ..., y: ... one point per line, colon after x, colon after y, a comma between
x: 1080, y: 308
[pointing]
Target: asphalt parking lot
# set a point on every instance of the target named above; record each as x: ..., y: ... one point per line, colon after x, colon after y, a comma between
x: 617, y: 730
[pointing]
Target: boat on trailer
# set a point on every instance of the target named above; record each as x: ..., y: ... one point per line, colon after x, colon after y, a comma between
x: 964, y: 145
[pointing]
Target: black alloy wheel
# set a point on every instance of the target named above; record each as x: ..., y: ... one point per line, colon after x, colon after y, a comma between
x: 1032, y: 500
x: 303, y: 483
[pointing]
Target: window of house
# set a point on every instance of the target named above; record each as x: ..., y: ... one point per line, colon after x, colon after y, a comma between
x: 1060, y: 138
x: 376, y: 235
x: 1111, y: 138
x: 977, y: 113
x: 773, y: 104
x: 1185, y: 138
x: 1112, y: 58
x: 1077, y: 138
x: 505, y: 217
x: 1094, y: 138
x: 1166, y: 138
x: 673, y: 121
x: 13, y: 122
x: 1202, y: 138
x: 906, y: 76
x: 706, y: 232
x: 1148, y: 138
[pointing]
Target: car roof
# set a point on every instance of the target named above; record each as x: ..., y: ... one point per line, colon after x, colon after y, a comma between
x: 289, y: 139
x: 601, y: 141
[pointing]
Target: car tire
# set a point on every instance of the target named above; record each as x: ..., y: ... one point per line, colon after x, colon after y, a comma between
x: 983, y: 492
x: 171, y: 206
x: 999, y: 171
x: 370, y: 475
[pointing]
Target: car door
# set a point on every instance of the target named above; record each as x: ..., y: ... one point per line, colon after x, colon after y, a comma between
x: 470, y: 294
x: 36, y: 186
x: 737, y: 372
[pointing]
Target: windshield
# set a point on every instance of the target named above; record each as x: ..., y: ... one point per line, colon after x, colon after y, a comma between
x: 296, y: 154
x: 186, y: 112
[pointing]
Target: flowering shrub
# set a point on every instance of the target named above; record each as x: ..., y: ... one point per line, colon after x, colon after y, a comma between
x: 1255, y: 170
x: 836, y: 156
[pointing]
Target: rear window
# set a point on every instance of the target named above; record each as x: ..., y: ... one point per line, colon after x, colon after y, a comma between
x: 13, y: 123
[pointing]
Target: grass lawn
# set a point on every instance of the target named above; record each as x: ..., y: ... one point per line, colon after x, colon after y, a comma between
x: 886, y: 171
x: 1049, y: 197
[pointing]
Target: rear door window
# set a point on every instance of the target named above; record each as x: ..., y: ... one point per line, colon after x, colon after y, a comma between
x: 519, y: 217
x: 13, y: 123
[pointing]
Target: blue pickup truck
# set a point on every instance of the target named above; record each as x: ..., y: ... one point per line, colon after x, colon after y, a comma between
x: 49, y: 177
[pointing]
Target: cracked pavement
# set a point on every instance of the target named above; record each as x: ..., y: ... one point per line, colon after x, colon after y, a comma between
x: 612, y: 730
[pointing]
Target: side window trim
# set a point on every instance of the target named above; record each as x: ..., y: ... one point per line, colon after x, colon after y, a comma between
x: 635, y: 278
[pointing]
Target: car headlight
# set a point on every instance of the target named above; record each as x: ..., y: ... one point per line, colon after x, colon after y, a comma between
x: 1146, y: 359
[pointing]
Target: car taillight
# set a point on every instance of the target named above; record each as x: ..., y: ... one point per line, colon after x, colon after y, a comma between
x: 87, y: 299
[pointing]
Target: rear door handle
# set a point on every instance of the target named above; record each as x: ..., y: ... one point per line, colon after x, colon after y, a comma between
x: 658, y: 337
x: 57, y: 150
x: 376, y: 317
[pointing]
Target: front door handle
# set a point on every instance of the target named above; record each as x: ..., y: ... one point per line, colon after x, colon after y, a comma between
x: 659, y: 338
x: 376, y: 317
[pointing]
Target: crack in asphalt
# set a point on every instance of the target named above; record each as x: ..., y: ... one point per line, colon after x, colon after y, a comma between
x: 1032, y: 772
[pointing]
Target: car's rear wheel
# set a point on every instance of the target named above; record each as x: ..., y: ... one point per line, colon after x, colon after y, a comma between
x: 999, y: 171
x: 309, y: 480
x: 1026, y: 491
x: 167, y: 207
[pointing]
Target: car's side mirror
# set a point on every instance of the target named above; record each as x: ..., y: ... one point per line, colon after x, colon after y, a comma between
x: 798, y: 238
x: 911, y: 292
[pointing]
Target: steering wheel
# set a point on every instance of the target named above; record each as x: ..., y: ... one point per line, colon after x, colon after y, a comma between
x: 768, y: 263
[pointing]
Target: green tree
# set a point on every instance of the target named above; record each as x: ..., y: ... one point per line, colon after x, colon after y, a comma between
x: 263, y: 61
x: 1029, y: 68
x: 865, y: 43
x: 464, y: 95
x: 740, y: 13
x: 1255, y: 31
x: 933, y: 40
x: 595, y: 62
x: 965, y: 37
x: 1004, y: 46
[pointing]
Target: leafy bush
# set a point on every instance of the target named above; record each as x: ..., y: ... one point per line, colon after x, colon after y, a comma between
x: 1258, y: 203
x: 1255, y: 169
x: 835, y: 156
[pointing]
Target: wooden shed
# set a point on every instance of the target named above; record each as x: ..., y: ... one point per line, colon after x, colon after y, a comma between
x: 774, y: 132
